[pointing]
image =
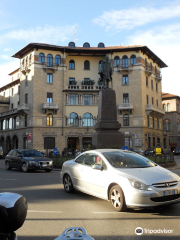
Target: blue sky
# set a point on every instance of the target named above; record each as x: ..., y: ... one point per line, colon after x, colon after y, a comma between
x: 155, y: 24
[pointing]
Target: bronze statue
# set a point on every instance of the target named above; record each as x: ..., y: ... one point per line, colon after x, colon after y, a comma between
x: 106, y: 72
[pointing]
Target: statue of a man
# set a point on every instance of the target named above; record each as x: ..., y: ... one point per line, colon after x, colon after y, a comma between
x: 106, y: 72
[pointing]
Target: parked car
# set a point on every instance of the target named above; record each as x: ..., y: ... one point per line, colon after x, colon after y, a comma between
x: 27, y: 159
x: 149, y: 151
x: 124, y: 178
x: 176, y: 151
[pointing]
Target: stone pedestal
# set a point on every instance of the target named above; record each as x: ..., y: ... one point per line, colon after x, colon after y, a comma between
x: 107, y: 126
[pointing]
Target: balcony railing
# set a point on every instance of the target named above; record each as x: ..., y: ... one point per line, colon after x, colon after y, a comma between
x: 158, y: 77
x: 124, y: 67
x: 23, y: 107
x: 85, y: 87
x: 7, y: 113
x: 154, y: 111
x: 4, y: 99
x: 53, y: 106
x: 49, y: 65
x: 125, y: 106
x: 25, y: 69
x: 148, y: 71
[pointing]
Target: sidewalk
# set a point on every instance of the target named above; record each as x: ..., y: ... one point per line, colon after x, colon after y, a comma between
x: 177, y: 160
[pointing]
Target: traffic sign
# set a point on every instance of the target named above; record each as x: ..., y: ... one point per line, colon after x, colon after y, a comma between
x: 55, y: 151
x: 29, y: 137
x: 29, y: 134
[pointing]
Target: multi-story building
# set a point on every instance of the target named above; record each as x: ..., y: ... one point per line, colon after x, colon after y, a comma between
x: 171, y: 119
x: 59, y: 88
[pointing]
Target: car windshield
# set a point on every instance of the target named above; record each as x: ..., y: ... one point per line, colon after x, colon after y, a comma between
x: 177, y: 148
x: 32, y: 153
x: 128, y: 160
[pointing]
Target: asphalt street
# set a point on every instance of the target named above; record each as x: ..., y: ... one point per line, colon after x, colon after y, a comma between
x: 51, y: 210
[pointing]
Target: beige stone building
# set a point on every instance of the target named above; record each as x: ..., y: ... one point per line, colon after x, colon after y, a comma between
x: 58, y: 96
x: 171, y: 119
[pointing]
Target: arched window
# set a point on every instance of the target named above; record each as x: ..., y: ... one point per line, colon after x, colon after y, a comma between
x: 116, y: 61
x: 26, y: 62
x: 133, y: 59
x: 71, y: 64
x: 151, y: 66
x: 101, y: 45
x: 145, y: 62
x: 86, y: 45
x: 58, y: 60
x: 49, y: 120
x: 30, y: 58
x: 72, y: 44
x: 87, y: 120
x: 41, y: 57
x: 126, y: 120
x: 168, y: 107
x: 23, y: 62
x: 100, y: 64
x: 125, y: 62
x: 167, y: 125
x: 86, y: 65
x: 73, y: 120
x: 49, y: 60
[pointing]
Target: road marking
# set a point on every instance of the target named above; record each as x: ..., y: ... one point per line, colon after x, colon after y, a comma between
x: 8, y: 179
x: 34, y: 211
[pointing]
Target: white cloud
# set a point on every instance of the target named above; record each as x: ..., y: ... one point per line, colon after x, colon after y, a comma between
x: 47, y: 34
x: 164, y: 42
x: 5, y: 69
x: 6, y: 57
x: 118, y: 20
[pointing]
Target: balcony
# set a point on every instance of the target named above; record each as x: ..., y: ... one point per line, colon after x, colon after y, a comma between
x: 51, y: 66
x: 4, y: 100
x: 154, y: 111
x: 50, y: 106
x: 85, y: 87
x: 7, y: 113
x: 125, y: 106
x: 23, y: 108
x: 25, y: 69
x: 148, y: 72
x: 158, y: 78
x: 124, y: 68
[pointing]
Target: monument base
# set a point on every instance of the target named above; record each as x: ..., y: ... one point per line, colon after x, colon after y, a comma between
x: 104, y: 139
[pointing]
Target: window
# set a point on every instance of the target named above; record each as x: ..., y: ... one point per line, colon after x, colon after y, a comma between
x: 86, y: 65
x: 49, y: 120
x: 152, y: 101
x: 87, y: 120
x: 30, y: 57
x: 157, y: 123
x: 73, y: 120
x: 168, y: 107
x: 100, y: 64
x: 125, y: 98
x: 71, y: 81
x: 71, y: 44
x: 125, y: 79
x: 147, y: 82
x: 151, y: 66
x: 80, y: 159
x: 49, y: 78
x: 49, y: 60
x: 73, y: 99
x: 86, y: 45
x: 12, y: 105
x: 58, y: 60
x: 49, y: 97
x: 4, y: 94
x: 101, y: 45
x: 14, y: 122
x: 133, y: 59
x: 152, y: 84
x: 10, y: 123
x: 26, y: 62
x: 167, y: 125
x: 126, y: 120
x: 153, y: 141
x: 23, y: 62
x: 125, y: 62
x: 148, y: 121
x: 153, y: 122
x: 26, y: 98
x: 87, y: 99
x: 145, y: 62
x: 116, y: 61
x: 86, y: 81
x: 156, y: 87
x: 41, y: 57
x: 157, y: 103
x: 155, y: 71
x: 147, y: 99
x: 12, y: 92
x: 18, y: 89
x: 164, y: 107
x: 3, y: 124
x: 25, y: 121
x: 26, y: 81
x: 71, y: 64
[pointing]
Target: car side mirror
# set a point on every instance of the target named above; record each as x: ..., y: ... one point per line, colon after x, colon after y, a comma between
x: 97, y: 167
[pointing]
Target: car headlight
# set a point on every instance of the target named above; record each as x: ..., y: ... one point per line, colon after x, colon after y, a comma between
x: 139, y: 185
x: 50, y: 162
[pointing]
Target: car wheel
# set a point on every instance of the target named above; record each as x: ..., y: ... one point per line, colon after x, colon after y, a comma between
x: 24, y: 167
x: 68, y: 186
x: 116, y: 197
x: 48, y: 170
x: 8, y: 166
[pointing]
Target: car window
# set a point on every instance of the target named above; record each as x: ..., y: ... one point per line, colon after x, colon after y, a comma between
x: 101, y: 162
x: 90, y: 159
x: 32, y: 153
x: 127, y: 160
x: 80, y: 159
x: 19, y: 153
x: 11, y: 152
x: 14, y: 153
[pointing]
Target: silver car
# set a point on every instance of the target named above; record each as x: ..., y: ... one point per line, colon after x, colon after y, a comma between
x: 125, y: 178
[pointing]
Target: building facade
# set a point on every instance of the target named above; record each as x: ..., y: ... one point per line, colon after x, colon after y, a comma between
x: 171, y: 119
x: 58, y: 96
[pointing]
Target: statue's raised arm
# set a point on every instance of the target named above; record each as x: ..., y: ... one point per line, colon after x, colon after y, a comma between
x: 106, y: 72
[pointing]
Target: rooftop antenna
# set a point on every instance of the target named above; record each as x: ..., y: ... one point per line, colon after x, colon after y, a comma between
x: 74, y: 34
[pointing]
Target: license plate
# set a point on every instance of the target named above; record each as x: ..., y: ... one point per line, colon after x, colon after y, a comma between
x: 44, y: 165
x: 169, y: 192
